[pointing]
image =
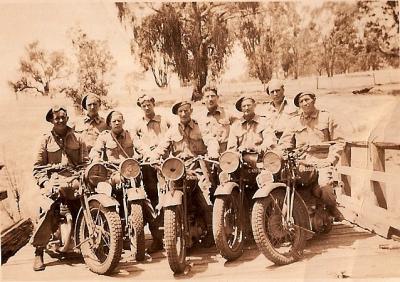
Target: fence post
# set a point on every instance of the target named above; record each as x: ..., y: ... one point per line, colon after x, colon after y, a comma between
x: 377, y: 163
x: 346, y: 161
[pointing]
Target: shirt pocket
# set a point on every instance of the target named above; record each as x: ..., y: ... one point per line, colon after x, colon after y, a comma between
x: 322, y: 131
x: 195, y: 135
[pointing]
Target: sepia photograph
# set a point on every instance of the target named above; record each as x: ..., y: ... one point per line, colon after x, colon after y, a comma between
x: 201, y: 141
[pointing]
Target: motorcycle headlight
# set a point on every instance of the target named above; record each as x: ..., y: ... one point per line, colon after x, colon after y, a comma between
x: 129, y: 168
x: 229, y: 161
x: 173, y: 168
x: 272, y: 162
x: 95, y: 173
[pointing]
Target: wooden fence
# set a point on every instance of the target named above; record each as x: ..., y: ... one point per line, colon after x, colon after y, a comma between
x: 370, y: 197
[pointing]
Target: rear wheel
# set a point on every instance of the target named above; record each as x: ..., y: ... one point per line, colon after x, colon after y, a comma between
x: 137, y: 239
x: 280, y: 241
x: 101, y: 250
x: 174, y: 235
x: 228, y: 226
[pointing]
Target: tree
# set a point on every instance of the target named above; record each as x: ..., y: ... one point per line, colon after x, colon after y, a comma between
x: 380, y: 20
x: 267, y: 38
x: 39, y: 69
x: 95, y: 64
x: 190, y: 39
x: 339, y: 42
x: 380, y: 32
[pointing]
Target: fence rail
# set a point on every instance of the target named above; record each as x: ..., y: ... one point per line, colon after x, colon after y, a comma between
x: 370, y: 195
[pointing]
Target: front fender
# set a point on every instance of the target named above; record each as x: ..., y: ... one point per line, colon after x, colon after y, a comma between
x: 104, y: 200
x: 173, y: 198
x: 135, y: 194
x: 225, y: 188
x: 267, y: 188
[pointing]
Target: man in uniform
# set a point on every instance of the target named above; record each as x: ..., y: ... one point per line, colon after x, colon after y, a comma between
x: 60, y: 146
x: 185, y: 140
x: 250, y: 132
x: 149, y: 130
x: 113, y: 145
x: 92, y: 124
x: 215, y: 122
x: 315, y: 126
x: 278, y: 110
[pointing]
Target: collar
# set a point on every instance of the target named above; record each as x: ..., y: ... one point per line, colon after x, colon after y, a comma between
x: 219, y: 109
x: 313, y: 115
x: 256, y: 119
x: 69, y: 131
x: 271, y: 103
x: 156, y: 118
x: 191, y: 124
x: 122, y: 135
x: 89, y: 119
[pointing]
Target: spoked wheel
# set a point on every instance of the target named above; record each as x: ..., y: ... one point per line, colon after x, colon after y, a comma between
x: 228, y: 226
x: 174, y: 235
x: 280, y: 241
x: 101, y: 250
x: 137, y: 239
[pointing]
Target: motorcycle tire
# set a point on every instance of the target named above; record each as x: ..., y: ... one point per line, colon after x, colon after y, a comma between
x: 137, y: 225
x: 269, y: 233
x: 229, y: 245
x: 174, y: 236
x: 101, y: 257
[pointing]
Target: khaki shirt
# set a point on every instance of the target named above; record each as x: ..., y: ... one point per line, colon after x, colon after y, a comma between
x: 184, y: 141
x: 149, y: 133
x: 279, y: 119
x: 254, y: 134
x: 107, y: 149
x: 50, y: 152
x: 317, y: 128
x: 216, y: 126
x: 90, y: 128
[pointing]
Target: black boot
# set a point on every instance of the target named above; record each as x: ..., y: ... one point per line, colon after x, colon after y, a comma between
x: 335, y: 212
x: 38, y: 264
x: 157, y: 234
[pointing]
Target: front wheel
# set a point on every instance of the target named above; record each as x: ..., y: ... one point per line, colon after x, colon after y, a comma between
x: 137, y: 239
x: 280, y: 241
x: 174, y: 235
x: 228, y: 226
x: 102, y: 249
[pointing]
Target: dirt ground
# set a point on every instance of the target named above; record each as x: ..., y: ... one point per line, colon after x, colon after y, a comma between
x: 348, y: 252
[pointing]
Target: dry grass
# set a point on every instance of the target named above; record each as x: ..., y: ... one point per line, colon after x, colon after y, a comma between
x: 23, y: 121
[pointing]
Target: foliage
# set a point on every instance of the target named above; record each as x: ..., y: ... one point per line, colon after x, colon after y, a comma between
x: 39, y: 68
x: 189, y: 39
x: 95, y: 64
x: 269, y: 37
x: 380, y: 23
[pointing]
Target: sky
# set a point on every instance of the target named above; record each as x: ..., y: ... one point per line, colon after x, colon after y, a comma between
x: 22, y: 22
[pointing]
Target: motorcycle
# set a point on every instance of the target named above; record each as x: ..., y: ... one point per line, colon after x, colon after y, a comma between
x: 184, y: 217
x: 136, y: 207
x: 88, y: 220
x: 231, y: 211
x: 286, y: 213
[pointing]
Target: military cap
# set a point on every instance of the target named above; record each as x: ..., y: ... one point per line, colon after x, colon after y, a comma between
x: 108, y: 118
x: 55, y: 108
x: 178, y: 104
x: 297, y: 97
x: 145, y: 97
x: 83, y: 103
x: 274, y: 84
x: 238, y: 104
